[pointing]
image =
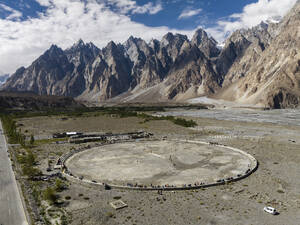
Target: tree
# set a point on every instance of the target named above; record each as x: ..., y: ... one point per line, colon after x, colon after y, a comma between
x: 31, y: 139
x: 30, y: 158
x: 21, y: 139
x: 50, y: 195
x: 59, y: 185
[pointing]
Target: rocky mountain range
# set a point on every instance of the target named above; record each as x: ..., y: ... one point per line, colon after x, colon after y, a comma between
x: 3, y: 78
x: 16, y: 101
x: 258, y: 66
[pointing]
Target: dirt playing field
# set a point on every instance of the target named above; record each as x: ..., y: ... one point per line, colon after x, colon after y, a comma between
x: 168, y: 163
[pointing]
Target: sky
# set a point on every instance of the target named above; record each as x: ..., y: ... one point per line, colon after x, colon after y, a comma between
x: 29, y: 27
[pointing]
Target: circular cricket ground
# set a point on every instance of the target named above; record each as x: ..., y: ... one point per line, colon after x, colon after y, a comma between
x: 160, y: 163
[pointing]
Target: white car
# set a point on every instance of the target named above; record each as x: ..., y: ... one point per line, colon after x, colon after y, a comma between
x: 270, y: 210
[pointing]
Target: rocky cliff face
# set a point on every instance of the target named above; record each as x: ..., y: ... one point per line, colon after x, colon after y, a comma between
x: 56, y: 72
x: 88, y: 73
x: 242, y: 50
x: 272, y: 77
x: 258, y: 66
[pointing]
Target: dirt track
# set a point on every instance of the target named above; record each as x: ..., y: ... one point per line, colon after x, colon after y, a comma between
x: 164, y: 163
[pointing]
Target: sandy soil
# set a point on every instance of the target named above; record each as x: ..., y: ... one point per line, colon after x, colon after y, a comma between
x: 276, y: 182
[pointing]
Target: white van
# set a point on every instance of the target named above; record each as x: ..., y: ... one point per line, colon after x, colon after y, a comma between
x: 270, y: 210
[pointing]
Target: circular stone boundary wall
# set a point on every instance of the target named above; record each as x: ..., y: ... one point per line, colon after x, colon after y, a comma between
x: 67, y: 174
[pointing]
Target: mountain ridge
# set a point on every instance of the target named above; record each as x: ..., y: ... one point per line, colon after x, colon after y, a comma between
x: 172, y: 69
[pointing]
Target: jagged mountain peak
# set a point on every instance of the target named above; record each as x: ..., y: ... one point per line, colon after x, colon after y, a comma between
x: 92, y: 46
x: 237, y: 35
x: 263, y: 25
x: 137, y: 49
x: 168, y: 37
x: 53, y: 53
x: 206, y: 44
x: 54, y: 49
x: 80, y: 44
x: 82, y: 53
x: 174, y: 68
x: 202, y: 36
x: 171, y: 39
x: 199, y: 36
x: 111, y: 46
x: 134, y: 41
x: 113, y: 52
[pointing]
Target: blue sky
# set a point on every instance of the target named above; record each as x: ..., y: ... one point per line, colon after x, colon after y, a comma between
x: 29, y: 27
x: 210, y: 11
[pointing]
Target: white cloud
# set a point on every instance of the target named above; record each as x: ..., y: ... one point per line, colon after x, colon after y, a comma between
x: 187, y: 13
x: 130, y: 6
x: 148, y: 8
x: 63, y: 23
x: 251, y: 16
x: 14, y: 14
x: 44, y: 2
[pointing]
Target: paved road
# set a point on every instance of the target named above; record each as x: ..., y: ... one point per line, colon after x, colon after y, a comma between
x: 11, y: 208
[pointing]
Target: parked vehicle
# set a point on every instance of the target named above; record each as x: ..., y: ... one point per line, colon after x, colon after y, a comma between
x: 270, y: 210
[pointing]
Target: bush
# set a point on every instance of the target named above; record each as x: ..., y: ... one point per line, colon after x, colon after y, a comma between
x: 184, y: 122
x: 59, y: 185
x: 31, y: 158
x: 31, y: 140
x: 10, y: 127
x: 50, y: 195
x: 30, y: 171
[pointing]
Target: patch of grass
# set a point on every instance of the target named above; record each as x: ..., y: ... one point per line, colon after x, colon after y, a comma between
x: 177, y: 121
x: 59, y: 153
x: 48, y: 141
x: 118, y: 111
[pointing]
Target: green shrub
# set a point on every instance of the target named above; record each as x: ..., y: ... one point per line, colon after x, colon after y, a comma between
x: 30, y: 171
x: 50, y: 195
x: 59, y: 185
